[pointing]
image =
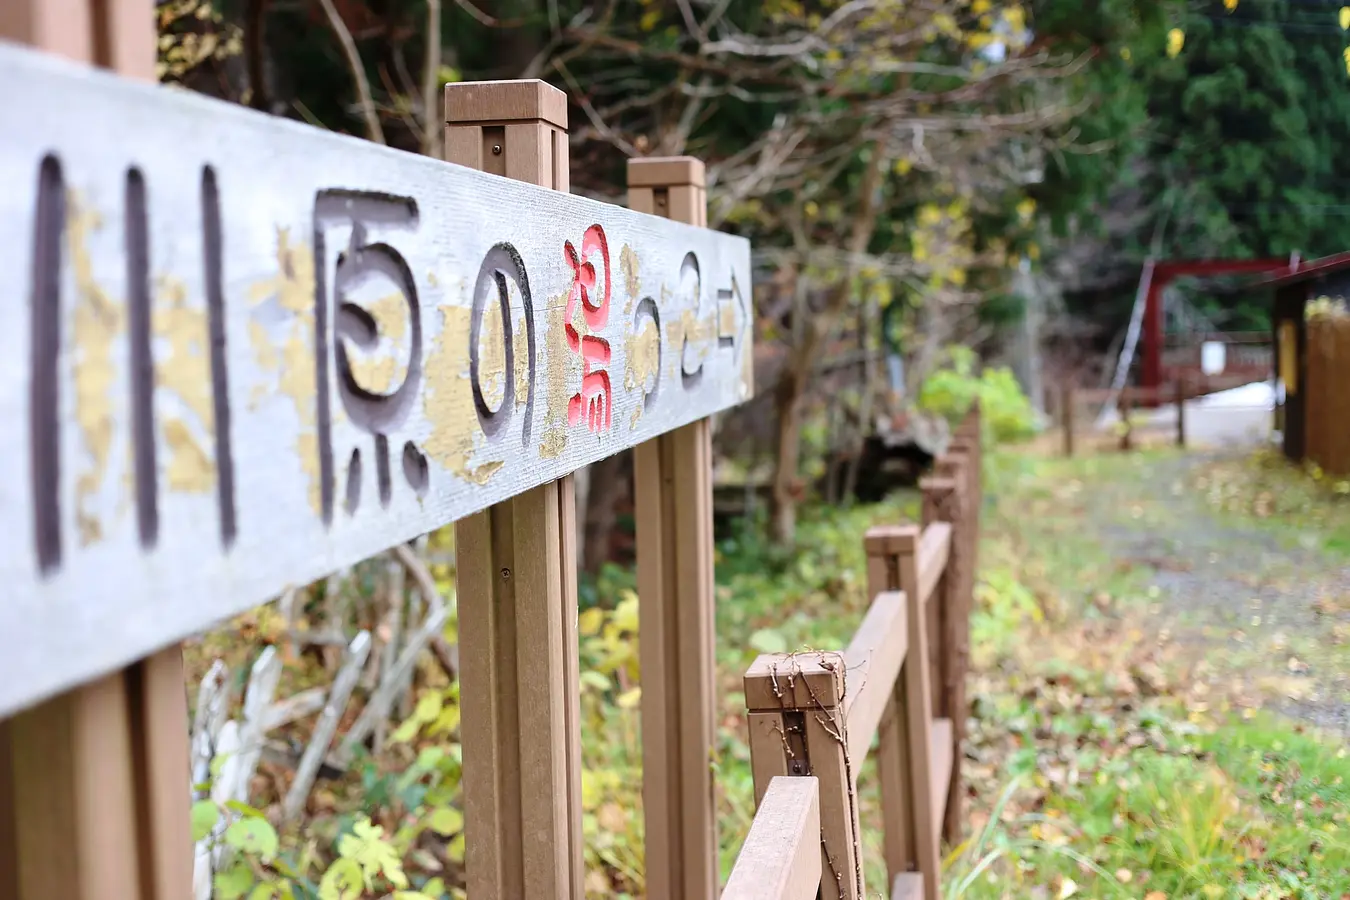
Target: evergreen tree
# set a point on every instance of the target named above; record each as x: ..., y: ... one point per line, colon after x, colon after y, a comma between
x: 1248, y: 125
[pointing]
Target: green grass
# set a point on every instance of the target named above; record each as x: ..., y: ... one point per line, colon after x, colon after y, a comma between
x: 1300, y: 504
x: 1125, y: 797
x: 1247, y: 810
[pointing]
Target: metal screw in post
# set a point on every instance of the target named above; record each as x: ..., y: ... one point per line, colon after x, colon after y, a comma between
x: 496, y: 149
x: 506, y: 574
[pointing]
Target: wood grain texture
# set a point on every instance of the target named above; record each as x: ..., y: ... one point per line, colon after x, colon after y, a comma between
x: 63, y: 27
x: 893, y: 752
x: 954, y: 498
x: 907, y: 886
x: 941, y: 502
x: 301, y: 413
x: 840, y: 844
x: 487, y: 102
x: 904, y: 756
x: 942, y: 756
x: 892, y: 766
x: 797, y: 727
x: 520, y: 707
x: 673, y: 499
x: 517, y: 588
x: 9, y: 835
x: 159, y: 732
x: 75, y: 792
x: 780, y: 859
x: 665, y: 172
x: 777, y: 681
x: 934, y: 550
x: 919, y: 717
x: 874, y: 658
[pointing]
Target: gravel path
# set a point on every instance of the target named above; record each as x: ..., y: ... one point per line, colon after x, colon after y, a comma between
x: 1268, y: 613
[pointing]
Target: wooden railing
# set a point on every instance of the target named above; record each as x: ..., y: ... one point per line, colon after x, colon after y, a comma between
x: 128, y: 531
x: 1077, y: 408
x: 813, y: 716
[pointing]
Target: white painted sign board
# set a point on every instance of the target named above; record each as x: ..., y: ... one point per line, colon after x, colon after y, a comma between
x: 1213, y: 357
x: 241, y: 352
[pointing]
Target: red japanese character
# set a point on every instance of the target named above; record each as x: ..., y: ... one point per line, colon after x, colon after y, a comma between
x: 594, y: 308
x: 596, y: 395
x: 598, y: 400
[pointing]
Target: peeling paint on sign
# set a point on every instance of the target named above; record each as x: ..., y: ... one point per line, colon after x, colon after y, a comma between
x: 294, y: 365
x: 98, y: 321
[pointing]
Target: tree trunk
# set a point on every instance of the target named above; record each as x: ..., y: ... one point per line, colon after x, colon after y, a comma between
x: 818, y: 325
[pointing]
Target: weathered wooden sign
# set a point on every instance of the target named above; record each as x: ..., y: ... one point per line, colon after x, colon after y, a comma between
x: 241, y: 352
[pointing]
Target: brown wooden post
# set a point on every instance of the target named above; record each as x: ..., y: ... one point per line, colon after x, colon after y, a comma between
x: 1066, y: 417
x: 516, y: 580
x: 672, y: 477
x: 905, y: 739
x: 796, y: 706
x: 1181, y: 411
x: 95, y: 794
x: 1126, y: 406
x: 945, y: 500
x: 975, y: 505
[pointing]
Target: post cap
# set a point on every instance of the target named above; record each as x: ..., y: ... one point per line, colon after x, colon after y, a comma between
x: 666, y: 171
x: 486, y: 102
x: 889, y: 540
x: 792, y: 681
x: 937, y: 484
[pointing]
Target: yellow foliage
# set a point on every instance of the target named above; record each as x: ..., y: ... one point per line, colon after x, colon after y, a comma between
x: 902, y: 166
x: 626, y: 613
x: 980, y: 7
x: 589, y: 622
x: 1230, y: 5
x: 650, y: 19
x: 182, y: 51
x: 1176, y: 39
x: 1345, y: 18
x: 947, y: 25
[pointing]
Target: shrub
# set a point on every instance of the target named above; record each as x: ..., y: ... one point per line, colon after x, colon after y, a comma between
x: 950, y: 391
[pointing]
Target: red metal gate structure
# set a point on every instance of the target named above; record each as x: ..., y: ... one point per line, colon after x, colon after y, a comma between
x: 1252, y: 357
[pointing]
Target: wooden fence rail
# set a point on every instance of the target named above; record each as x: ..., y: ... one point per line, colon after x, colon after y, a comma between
x: 780, y: 859
x: 1326, y: 418
x: 901, y: 681
x: 1077, y: 407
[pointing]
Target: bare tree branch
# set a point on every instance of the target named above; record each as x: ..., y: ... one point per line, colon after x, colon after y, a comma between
x: 373, y: 130
x: 431, y: 101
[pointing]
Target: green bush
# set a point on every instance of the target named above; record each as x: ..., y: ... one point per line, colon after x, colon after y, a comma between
x: 950, y: 391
